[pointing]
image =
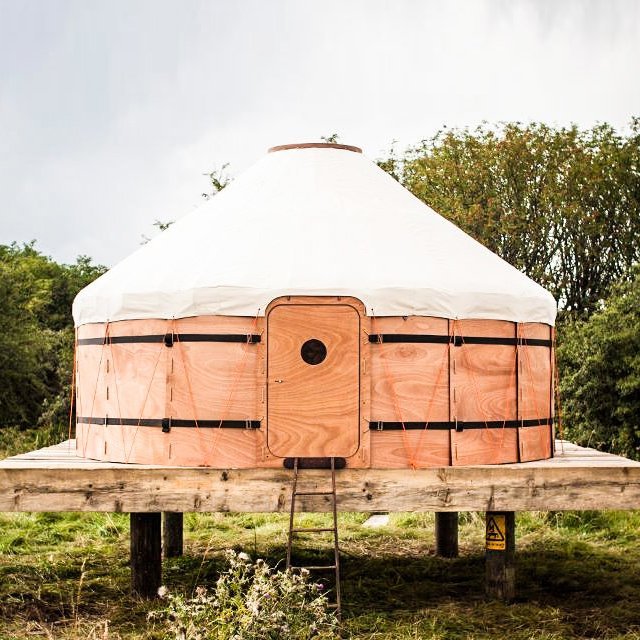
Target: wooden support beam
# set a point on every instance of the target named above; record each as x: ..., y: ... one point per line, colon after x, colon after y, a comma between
x: 500, y: 555
x: 146, y: 557
x: 172, y: 534
x: 446, y: 534
x: 56, y: 479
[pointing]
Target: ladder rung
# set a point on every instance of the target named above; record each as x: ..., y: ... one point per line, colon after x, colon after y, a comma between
x: 321, y: 568
x: 313, y: 493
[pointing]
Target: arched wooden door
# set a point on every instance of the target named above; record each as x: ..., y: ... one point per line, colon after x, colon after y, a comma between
x: 313, y: 377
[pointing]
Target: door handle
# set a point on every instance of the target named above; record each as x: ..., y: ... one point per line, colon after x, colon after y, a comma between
x: 279, y: 381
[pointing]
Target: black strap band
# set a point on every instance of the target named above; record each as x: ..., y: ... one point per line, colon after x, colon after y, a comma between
x: 167, y: 423
x: 456, y: 341
x: 170, y: 338
x: 457, y: 425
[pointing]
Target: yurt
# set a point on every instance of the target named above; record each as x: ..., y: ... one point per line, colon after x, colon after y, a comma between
x: 314, y: 308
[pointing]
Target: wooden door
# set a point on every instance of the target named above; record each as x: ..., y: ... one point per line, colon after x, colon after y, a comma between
x: 313, y: 378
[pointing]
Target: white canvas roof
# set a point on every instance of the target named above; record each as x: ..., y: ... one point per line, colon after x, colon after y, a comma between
x: 314, y: 221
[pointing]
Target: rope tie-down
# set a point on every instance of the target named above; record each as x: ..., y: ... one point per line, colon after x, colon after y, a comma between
x: 165, y: 342
x: 455, y: 339
x: 411, y: 452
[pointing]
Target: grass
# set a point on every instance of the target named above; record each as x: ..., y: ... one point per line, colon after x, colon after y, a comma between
x: 14, y: 440
x: 66, y: 575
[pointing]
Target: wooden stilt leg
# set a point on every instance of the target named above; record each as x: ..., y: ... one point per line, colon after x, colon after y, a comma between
x: 500, y: 555
x: 172, y: 534
x: 447, y: 534
x: 146, y: 557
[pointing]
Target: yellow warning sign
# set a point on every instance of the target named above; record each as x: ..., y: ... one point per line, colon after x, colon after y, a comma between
x: 496, y: 539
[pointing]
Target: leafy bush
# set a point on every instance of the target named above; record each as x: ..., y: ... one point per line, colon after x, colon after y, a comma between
x: 250, y: 601
x: 36, y: 334
x: 599, y: 365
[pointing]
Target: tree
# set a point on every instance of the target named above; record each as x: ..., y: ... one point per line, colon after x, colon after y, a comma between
x: 36, y: 331
x: 562, y: 205
x: 599, y: 363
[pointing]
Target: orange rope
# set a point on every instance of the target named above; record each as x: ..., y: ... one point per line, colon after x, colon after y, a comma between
x: 240, y: 367
x: 532, y: 388
x: 476, y: 391
x: 444, y: 361
x: 557, y: 391
x: 189, y: 388
x: 144, y: 404
x: 474, y: 383
x: 115, y: 380
x: 394, y: 396
x: 512, y: 379
x: 73, y: 384
x: 186, y: 375
x: 95, y: 390
x: 78, y: 388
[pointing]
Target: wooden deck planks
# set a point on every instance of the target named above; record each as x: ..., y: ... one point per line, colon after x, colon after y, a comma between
x: 56, y: 479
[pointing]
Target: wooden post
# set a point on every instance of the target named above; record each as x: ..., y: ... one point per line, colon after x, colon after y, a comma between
x: 146, y: 557
x: 172, y: 534
x: 500, y: 555
x: 447, y: 534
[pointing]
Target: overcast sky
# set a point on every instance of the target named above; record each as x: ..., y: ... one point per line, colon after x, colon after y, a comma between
x: 111, y: 111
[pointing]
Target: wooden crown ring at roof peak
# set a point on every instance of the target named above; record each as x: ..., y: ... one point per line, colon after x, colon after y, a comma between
x: 315, y: 145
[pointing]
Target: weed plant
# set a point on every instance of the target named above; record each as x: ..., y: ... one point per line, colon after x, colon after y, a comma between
x: 250, y: 601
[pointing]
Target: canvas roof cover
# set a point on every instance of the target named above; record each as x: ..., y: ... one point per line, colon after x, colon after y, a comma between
x: 314, y: 221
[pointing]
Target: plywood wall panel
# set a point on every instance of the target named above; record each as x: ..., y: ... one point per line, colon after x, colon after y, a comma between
x: 409, y: 382
x: 90, y: 441
x: 228, y: 381
x: 483, y: 328
x: 484, y: 446
x: 211, y: 381
x: 410, y: 325
x: 535, y: 443
x: 534, y: 375
x: 139, y: 327
x: 398, y: 450
x: 136, y: 444
x: 136, y: 380
x: 483, y: 389
x: 138, y: 388
x: 225, y: 448
x: 95, y: 330
x: 536, y: 330
x: 483, y: 382
x: 91, y: 380
x: 219, y: 324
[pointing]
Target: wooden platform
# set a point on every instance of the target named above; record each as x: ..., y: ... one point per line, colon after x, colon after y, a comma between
x: 577, y: 478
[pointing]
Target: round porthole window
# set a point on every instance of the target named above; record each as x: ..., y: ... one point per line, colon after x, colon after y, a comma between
x: 313, y: 351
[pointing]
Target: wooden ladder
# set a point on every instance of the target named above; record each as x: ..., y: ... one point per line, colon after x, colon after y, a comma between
x: 294, y: 530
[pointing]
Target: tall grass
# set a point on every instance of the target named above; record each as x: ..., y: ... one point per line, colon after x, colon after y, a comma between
x: 67, y: 576
x: 14, y: 440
